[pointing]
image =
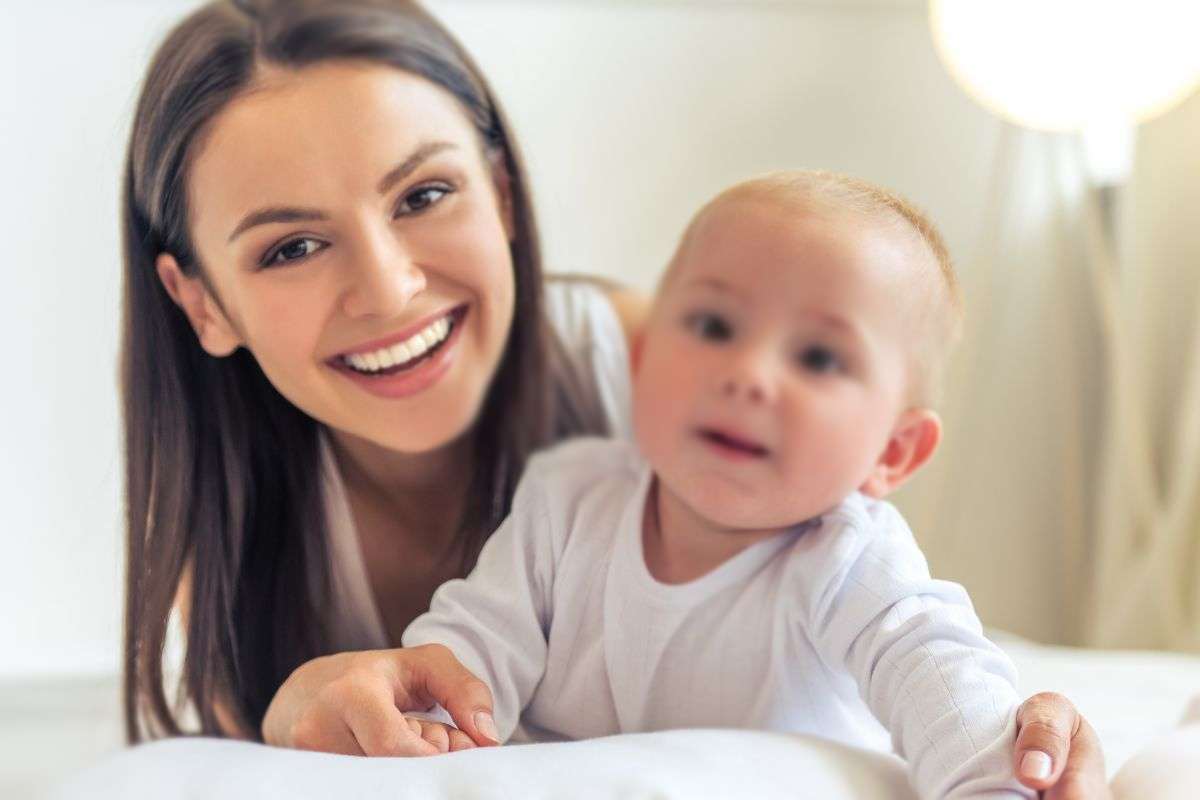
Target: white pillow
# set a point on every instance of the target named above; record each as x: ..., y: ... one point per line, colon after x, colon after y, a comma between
x: 1169, y: 769
x: 670, y: 764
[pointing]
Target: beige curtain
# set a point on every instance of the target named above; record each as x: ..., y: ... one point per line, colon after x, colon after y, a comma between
x: 1067, y: 494
x: 1145, y: 576
x: 1005, y: 506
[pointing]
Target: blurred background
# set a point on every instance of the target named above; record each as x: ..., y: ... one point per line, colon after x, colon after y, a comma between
x: 1067, y: 496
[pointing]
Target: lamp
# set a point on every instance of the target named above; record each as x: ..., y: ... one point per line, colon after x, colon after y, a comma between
x: 1098, y: 67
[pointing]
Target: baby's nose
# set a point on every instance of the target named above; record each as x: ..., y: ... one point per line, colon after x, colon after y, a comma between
x: 747, y: 379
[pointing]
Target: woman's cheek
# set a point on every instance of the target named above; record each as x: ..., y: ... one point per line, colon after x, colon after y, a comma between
x: 283, y: 328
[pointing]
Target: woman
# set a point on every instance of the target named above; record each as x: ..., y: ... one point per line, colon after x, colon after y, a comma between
x: 337, y: 357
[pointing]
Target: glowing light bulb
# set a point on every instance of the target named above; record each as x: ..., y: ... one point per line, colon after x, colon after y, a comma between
x: 1063, y: 65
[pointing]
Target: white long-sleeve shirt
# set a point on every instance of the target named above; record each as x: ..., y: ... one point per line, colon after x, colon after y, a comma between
x: 828, y: 629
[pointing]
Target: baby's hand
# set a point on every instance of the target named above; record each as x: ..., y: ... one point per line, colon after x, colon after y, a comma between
x: 446, y: 738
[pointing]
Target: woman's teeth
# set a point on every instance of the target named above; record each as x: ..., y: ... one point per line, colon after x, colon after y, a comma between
x: 399, y: 355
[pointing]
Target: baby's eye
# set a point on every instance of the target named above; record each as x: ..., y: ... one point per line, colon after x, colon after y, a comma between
x: 421, y: 198
x: 819, y: 359
x: 293, y: 250
x: 709, y: 326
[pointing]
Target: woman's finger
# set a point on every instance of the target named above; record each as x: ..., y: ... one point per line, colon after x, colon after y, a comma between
x: 1045, y: 724
x: 431, y: 674
x: 1083, y: 777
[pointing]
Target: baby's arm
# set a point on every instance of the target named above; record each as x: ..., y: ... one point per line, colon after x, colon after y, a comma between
x: 495, y: 620
x: 916, y: 649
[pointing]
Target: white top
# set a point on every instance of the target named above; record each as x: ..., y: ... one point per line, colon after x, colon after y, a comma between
x: 826, y: 629
x: 588, y: 326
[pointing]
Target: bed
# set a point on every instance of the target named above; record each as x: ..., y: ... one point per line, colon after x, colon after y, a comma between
x: 63, y: 740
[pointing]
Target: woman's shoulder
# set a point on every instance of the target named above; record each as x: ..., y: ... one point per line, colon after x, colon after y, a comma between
x: 581, y: 310
x: 579, y: 298
x: 592, y: 336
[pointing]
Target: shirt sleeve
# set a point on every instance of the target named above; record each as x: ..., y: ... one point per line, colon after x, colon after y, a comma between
x: 587, y: 324
x: 495, y: 620
x: 917, y: 652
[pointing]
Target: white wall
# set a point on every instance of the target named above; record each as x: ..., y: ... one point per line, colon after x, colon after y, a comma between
x: 630, y: 114
x: 69, y: 80
x: 633, y: 113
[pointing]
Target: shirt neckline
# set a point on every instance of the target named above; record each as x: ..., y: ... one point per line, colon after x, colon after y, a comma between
x: 631, y: 556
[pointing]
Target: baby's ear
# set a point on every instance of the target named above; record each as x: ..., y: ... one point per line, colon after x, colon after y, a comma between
x: 635, y: 351
x: 911, y: 445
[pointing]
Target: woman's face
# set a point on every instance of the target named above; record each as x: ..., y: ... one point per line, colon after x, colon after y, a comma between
x: 356, y: 239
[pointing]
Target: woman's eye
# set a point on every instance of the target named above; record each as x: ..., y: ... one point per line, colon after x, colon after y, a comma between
x: 819, y: 359
x: 421, y: 198
x: 294, y: 250
x: 710, y: 326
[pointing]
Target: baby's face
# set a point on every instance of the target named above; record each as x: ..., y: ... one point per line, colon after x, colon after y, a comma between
x: 775, y: 365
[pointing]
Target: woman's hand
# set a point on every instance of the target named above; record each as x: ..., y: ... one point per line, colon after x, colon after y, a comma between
x: 352, y: 703
x: 1057, y: 751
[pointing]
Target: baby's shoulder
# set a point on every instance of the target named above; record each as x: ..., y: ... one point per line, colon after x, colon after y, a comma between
x: 582, y: 489
x: 582, y: 466
x: 584, y: 458
x: 859, y: 529
x: 857, y: 562
x: 860, y: 518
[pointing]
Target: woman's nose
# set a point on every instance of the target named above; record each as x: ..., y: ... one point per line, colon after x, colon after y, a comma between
x: 384, y: 282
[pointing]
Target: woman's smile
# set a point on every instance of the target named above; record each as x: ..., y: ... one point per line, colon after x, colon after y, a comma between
x: 404, y: 349
x: 408, y: 362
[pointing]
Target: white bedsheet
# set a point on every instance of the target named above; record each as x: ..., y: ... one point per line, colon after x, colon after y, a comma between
x: 1130, y: 697
x: 670, y: 764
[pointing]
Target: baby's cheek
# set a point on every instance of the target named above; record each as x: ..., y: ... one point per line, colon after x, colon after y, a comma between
x: 656, y: 421
x: 827, y: 448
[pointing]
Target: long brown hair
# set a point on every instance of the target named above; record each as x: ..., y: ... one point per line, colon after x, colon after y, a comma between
x: 222, y: 473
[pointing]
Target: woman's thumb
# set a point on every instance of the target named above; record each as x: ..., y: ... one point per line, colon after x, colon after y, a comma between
x: 467, y: 699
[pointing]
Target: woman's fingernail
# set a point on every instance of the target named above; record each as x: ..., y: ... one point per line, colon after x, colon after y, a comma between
x: 1035, y: 764
x: 486, y: 725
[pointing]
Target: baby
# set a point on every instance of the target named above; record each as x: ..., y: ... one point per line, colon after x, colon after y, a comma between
x: 738, y: 567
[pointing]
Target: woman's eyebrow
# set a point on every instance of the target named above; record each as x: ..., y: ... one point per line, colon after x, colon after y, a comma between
x: 405, y: 167
x: 265, y: 216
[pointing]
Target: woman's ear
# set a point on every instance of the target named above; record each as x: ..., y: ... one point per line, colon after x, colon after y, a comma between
x: 216, y: 335
x: 911, y: 445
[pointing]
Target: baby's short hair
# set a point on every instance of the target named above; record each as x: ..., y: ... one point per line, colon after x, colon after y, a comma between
x: 938, y: 308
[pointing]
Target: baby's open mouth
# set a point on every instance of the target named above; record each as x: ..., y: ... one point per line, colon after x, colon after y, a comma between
x: 733, y: 443
x: 406, y: 355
